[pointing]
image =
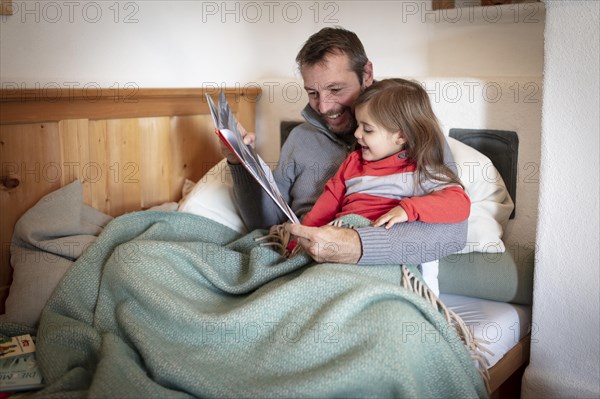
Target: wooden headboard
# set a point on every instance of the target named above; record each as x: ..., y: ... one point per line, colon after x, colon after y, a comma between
x: 131, y: 148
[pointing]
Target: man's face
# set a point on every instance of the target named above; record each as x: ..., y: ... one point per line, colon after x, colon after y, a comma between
x: 332, y: 88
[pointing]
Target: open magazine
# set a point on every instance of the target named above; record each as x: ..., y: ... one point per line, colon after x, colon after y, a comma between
x: 227, y: 128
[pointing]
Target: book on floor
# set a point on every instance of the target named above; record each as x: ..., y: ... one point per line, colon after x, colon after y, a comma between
x: 19, y: 370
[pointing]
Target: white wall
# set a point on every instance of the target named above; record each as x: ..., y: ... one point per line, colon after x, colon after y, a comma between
x: 157, y: 43
x: 566, y: 349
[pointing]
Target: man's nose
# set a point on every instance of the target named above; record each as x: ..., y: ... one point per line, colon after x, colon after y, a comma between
x: 325, y: 105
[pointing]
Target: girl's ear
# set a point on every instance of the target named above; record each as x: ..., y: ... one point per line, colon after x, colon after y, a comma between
x: 400, y: 140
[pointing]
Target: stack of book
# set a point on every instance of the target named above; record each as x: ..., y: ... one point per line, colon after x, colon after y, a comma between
x: 18, y: 367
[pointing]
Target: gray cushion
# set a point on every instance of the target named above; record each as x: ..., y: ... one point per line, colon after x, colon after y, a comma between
x: 46, y: 241
x: 503, y: 277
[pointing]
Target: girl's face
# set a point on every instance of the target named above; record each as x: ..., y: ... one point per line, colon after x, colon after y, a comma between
x: 376, y: 142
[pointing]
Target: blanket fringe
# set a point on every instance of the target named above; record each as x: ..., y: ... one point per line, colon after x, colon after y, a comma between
x: 475, y: 346
x: 279, y: 238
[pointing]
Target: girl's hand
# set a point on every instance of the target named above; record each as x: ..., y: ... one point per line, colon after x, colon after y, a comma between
x: 396, y: 215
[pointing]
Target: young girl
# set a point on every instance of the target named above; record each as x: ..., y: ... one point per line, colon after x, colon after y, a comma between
x: 398, y: 174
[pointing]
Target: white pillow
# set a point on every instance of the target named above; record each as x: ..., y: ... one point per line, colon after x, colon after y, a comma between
x: 211, y: 197
x: 429, y: 271
x: 491, y: 204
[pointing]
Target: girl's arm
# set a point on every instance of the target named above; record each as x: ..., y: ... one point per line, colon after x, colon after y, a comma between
x: 448, y: 205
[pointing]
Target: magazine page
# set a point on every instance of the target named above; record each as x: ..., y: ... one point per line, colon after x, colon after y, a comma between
x: 19, y: 370
x: 227, y: 127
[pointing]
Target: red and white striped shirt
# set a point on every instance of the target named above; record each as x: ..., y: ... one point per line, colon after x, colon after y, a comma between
x: 372, y: 188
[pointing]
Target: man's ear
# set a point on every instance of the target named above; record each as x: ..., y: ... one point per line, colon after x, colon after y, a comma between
x: 367, y: 74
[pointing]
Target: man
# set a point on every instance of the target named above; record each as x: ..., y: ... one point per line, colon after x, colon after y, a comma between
x: 335, y: 69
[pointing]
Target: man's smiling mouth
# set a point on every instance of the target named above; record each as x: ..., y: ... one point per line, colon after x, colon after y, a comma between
x: 334, y: 116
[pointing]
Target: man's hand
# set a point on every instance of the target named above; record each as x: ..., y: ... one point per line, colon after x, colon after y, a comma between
x: 328, y: 243
x: 249, y: 138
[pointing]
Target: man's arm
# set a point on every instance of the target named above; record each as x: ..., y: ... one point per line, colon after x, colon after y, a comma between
x: 257, y: 209
x: 411, y: 243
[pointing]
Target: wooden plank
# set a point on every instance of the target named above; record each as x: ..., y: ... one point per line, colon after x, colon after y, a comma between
x: 95, y: 173
x: 193, y: 135
x: 30, y: 168
x: 4, y: 291
x: 511, y: 362
x: 123, y: 166
x: 495, y: 2
x: 75, y: 154
x: 155, y: 163
x: 442, y: 4
x: 25, y: 105
x: 6, y: 7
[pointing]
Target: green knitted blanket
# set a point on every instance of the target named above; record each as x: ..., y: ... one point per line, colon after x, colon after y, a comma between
x: 175, y: 305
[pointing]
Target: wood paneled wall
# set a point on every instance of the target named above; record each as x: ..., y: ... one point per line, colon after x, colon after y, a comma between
x: 130, y: 149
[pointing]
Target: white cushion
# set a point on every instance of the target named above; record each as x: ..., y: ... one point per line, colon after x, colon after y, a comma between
x: 212, y: 196
x: 491, y: 204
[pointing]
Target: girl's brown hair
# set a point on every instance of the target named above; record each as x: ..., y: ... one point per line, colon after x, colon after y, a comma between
x: 403, y: 105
